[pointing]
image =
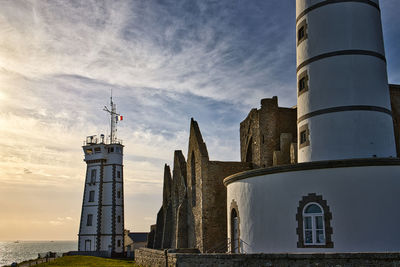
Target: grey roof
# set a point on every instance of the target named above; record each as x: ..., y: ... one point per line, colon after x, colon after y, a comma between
x: 138, y: 237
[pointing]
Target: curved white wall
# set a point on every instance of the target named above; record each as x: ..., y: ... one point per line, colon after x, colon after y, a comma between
x: 357, y: 79
x: 356, y: 126
x: 363, y: 202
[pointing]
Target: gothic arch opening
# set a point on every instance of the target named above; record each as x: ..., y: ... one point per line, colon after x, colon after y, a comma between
x: 234, y: 231
x: 249, y: 154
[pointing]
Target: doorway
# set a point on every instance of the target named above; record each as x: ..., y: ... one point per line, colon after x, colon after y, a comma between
x: 88, y: 245
x: 235, y: 231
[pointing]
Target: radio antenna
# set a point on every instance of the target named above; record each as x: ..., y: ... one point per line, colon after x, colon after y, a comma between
x: 114, y: 117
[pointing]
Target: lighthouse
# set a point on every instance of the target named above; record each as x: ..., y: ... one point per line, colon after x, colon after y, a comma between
x: 340, y: 196
x: 343, y: 97
x: 101, y: 230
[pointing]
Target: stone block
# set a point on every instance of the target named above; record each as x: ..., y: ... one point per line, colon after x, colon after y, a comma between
x: 293, y: 153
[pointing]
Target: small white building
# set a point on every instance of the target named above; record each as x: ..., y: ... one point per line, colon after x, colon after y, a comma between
x: 344, y: 193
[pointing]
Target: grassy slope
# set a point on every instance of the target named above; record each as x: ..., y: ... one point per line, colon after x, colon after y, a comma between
x: 88, y: 261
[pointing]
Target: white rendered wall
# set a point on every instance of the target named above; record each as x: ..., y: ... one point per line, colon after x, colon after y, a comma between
x: 111, y: 184
x: 344, y: 81
x: 344, y: 126
x: 363, y: 202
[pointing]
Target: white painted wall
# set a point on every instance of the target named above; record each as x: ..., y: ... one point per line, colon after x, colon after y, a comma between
x: 348, y: 80
x: 362, y: 134
x: 341, y: 26
x: 107, y: 193
x: 363, y: 201
x: 343, y: 81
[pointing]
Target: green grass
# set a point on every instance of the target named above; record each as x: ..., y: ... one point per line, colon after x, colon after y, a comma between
x: 88, y: 261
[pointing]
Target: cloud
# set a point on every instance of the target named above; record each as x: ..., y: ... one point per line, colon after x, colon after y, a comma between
x: 60, y: 221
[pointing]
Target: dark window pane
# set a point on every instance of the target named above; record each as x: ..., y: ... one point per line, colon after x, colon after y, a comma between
x: 93, y: 176
x: 318, y: 222
x: 300, y: 34
x: 91, y: 196
x: 303, y: 137
x: 308, y: 237
x: 320, y: 238
x: 302, y: 84
x: 307, y: 222
x: 89, y: 220
x: 313, y: 209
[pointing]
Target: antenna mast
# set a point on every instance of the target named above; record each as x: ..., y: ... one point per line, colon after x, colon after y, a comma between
x: 113, y: 120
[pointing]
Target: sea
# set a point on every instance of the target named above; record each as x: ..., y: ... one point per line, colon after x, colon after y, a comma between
x: 18, y: 251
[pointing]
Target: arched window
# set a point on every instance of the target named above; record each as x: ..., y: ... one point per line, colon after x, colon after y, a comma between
x: 249, y: 154
x: 313, y: 223
x: 234, y: 231
x: 235, y: 241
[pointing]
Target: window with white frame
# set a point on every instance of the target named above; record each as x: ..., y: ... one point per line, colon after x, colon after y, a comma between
x: 313, y: 218
x: 313, y: 222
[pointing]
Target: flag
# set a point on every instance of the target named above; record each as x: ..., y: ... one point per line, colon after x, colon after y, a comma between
x: 119, y: 118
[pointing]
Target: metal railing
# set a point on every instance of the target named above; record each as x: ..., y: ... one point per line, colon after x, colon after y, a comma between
x: 94, y: 140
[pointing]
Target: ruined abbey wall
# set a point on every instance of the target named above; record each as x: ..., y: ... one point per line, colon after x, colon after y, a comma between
x: 193, y: 213
x: 260, y: 133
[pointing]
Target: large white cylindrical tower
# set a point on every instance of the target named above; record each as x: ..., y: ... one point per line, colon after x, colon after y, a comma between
x: 343, y: 97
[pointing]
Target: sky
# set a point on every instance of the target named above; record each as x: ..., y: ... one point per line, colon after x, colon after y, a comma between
x: 166, y: 61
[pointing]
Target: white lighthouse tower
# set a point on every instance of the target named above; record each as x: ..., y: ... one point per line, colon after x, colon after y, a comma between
x: 341, y: 195
x: 343, y: 97
x: 101, y: 230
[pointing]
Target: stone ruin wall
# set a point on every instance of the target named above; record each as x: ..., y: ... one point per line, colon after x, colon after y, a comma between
x: 199, y: 222
x: 266, y: 130
x: 214, y: 208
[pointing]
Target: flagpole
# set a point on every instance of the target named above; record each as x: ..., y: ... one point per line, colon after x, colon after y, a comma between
x: 112, y: 119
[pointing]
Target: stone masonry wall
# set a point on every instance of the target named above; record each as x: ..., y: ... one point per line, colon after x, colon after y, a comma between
x: 197, y: 165
x: 269, y: 134
x: 193, y: 214
x: 179, y: 202
x: 150, y: 257
x: 250, y: 138
x: 214, y: 203
x: 167, y: 209
x: 147, y: 257
x: 260, y: 132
